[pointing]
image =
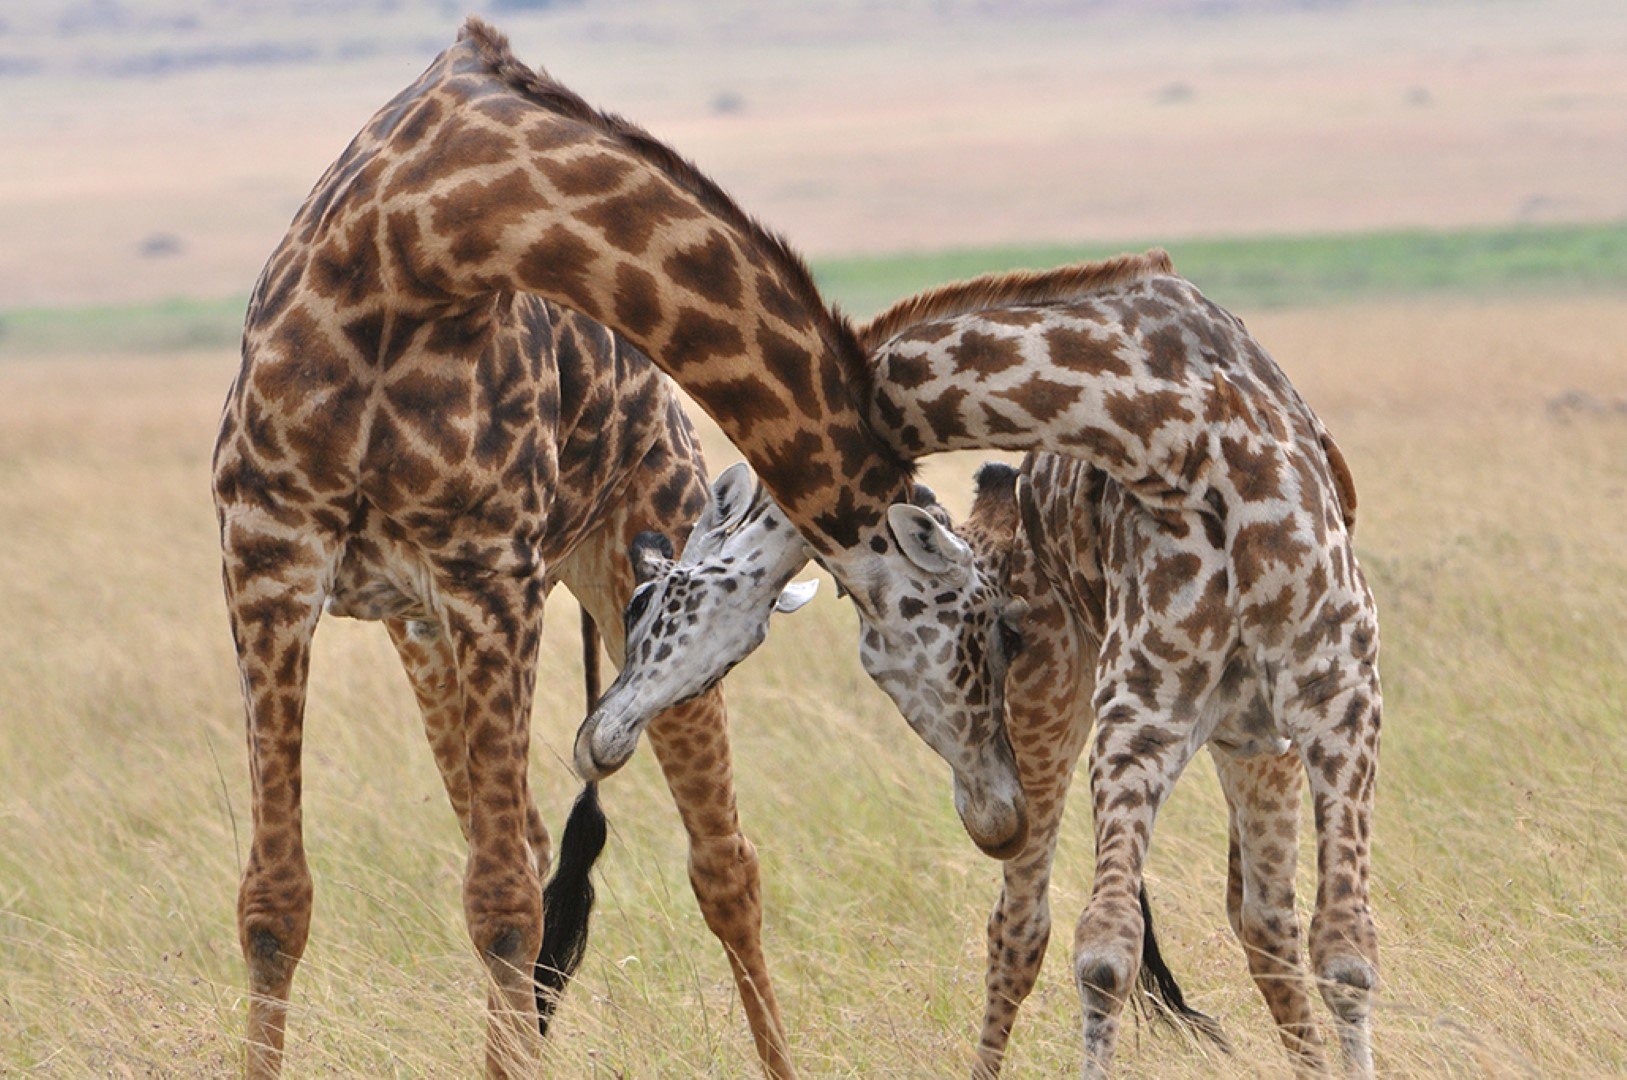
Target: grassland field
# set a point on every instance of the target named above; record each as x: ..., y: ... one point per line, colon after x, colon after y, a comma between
x: 1481, y: 404
x: 1254, y: 271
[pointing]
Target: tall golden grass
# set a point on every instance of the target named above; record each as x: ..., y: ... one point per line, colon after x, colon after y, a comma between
x: 1493, y: 528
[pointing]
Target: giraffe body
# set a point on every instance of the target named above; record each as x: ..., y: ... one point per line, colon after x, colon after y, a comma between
x: 1183, y: 578
x: 442, y: 476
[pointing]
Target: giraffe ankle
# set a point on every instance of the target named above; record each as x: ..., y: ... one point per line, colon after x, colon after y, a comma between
x: 1104, y: 983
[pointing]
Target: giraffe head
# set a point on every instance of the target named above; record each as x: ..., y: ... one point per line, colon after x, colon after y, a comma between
x: 940, y: 653
x: 693, y: 618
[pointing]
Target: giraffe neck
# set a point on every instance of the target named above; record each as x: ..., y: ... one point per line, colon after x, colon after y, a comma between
x: 1137, y: 373
x: 499, y: 179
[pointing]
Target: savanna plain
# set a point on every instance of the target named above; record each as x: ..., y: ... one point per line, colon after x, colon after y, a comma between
x: 1484, y: 417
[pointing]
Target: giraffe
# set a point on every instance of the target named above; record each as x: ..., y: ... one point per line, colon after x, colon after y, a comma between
x: 1187, y: 579
x: 372, y: 486
x: 485, y: 179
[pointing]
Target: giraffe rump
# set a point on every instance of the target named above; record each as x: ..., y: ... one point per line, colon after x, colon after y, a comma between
x: 542, y: 89
x: 1017, y: 288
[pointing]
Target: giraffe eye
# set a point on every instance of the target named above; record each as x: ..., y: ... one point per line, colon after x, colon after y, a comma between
x: 1011, y: 640
x: 639, y: 604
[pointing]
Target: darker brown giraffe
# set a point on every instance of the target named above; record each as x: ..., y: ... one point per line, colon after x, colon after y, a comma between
x: 396, y: 447
x: 1181, y: 575
x: 485, y: 179
x: 441, y: 470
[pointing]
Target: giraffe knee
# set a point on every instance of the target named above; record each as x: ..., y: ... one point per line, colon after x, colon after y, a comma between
x: 1347, y: 984
x: 505, y: 918
x: 1103, y: 982
x: 274, y: 923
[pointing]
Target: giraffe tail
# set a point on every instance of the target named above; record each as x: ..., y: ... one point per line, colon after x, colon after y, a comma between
x: 1161, y: 996
x: 567, y: 902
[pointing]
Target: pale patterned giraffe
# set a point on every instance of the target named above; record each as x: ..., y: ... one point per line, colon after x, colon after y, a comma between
x: 1217, y: 600
x: 537, y: 429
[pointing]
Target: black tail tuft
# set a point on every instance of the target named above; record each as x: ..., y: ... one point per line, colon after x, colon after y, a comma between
x: 567, y: 902
x: 1160, y: 995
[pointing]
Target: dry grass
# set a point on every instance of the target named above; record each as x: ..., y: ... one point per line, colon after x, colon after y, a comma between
x: 1495, y: 533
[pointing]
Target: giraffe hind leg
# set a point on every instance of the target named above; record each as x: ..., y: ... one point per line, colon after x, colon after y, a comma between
x: 502, y: 891
x: 1337, y: 738
x: 275, y: 578
x: 1262, y: 794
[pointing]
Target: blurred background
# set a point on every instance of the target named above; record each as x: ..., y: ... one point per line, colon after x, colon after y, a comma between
x: 1419, y: 207
x: 157, y: 149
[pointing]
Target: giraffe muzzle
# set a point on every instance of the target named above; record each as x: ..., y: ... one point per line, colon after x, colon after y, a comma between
x: 996, y: 822
x: 603, y: 745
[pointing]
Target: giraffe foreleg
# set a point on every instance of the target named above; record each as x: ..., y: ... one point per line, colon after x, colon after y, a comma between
x: 1019, y: 931
x: 1262, y: 793
x: 691, y: 742
x: 275, y: 581
x: 1048, y: 719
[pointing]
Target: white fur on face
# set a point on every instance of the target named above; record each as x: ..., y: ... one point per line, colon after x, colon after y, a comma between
x: 930, y: 638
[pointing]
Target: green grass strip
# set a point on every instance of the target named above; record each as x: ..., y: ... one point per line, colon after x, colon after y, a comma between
x: 1243, y: 273
x: 1291, y: 271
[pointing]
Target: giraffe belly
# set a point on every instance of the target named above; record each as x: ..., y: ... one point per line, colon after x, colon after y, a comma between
x: 1246, y: 726
x: 376, y: 580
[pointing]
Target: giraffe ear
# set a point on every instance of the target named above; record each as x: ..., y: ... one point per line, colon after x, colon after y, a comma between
x: 731, y: 496
x: 651, y: 554
x: 926, y: 542
x: 795, y: 595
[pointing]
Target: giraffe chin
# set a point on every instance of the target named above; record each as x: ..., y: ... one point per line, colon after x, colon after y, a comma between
x: 595, y: 755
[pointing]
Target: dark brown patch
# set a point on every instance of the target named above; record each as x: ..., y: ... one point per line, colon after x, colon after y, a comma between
x: 474, y: 214
x: 1143, y: 413
x: 345, y: 266
x: 456, y: 145
x: 558, y: 265
x: 630, y: 219
x: 982, y: 355
x: 943, y: 413
x: 1168, y: 576
x: 708, y: 268
x: 698, y: 337
x: 1261, y: 544
x: 747, y: 401
x: 1254, y: 474
x: 1079, y: 350
x: 1043, y: 399
x: 593, y: 173
x: 789, y: 363
x: 638, y: 300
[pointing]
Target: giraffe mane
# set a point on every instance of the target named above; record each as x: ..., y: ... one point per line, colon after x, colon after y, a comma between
x: 542, y: 89
x: 1012, y: 289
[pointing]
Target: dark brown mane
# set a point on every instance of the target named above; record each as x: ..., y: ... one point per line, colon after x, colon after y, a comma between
x: 1011, y: 290
x: 539, y: 87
